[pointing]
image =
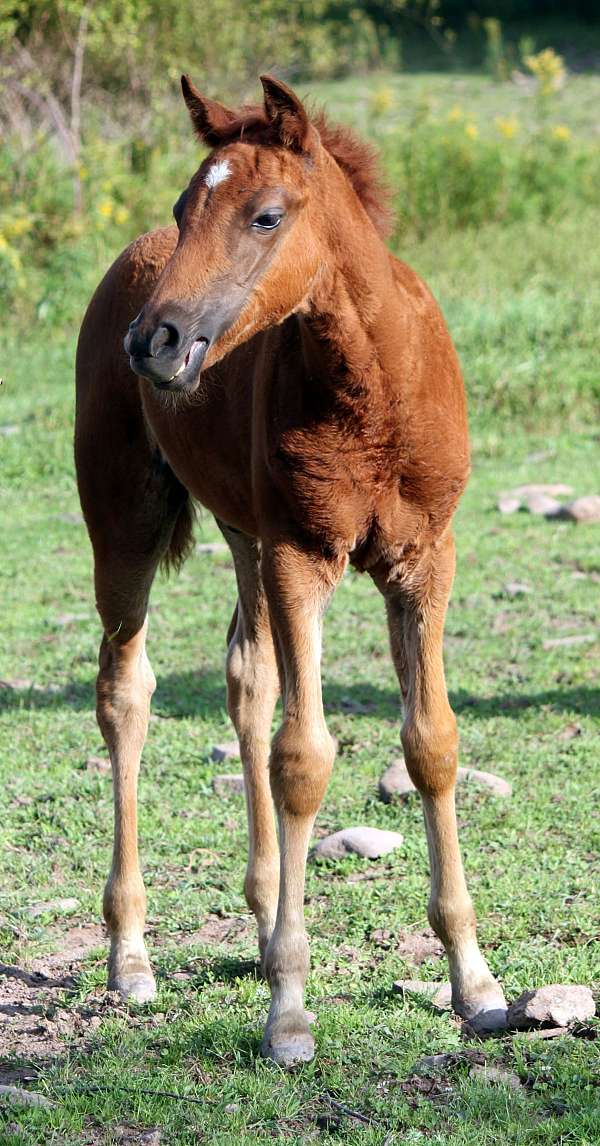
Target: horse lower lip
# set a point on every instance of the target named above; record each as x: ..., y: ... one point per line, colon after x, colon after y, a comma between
x: 198, y: 347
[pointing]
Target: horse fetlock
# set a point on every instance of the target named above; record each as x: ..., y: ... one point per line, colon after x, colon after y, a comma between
x: 453, y: 920
x: 287, y: 961
x: 124, y: 905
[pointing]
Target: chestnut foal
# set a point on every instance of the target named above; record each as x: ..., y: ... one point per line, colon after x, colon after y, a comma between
x: 298, y: 381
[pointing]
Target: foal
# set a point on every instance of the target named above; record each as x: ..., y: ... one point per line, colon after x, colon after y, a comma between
x: 299, y: 382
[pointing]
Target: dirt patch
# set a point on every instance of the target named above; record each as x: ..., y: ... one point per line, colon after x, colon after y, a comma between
x: 216, y: 931
x: 35, y: 1017
x: 417, y: 946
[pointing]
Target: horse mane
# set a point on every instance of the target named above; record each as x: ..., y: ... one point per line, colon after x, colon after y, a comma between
x: 361, y: 163
x: 358, y: 159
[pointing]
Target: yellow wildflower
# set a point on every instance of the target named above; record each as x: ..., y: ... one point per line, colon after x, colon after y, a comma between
x: 508, y: 126
x: 561, y: 132
x: 3, y: 243
x: 471, y: 130
x: 105, y: 208
x: 381, y: 101
x: 121, y: 215
x: 455, y: 114
x: 549, y: 70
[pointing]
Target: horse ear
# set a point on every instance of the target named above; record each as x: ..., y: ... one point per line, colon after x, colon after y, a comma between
x: 210, y: 119
x: 287, y: 115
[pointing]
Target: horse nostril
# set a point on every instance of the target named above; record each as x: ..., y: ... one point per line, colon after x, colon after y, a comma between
x: 166, y: 336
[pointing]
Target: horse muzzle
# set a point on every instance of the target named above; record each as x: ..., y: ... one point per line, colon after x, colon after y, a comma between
x: 164, y: 354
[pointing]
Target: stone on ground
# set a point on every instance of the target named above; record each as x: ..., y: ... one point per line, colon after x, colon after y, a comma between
x: 557, y: 1004
x: 19, y: 1097
x: 229, y: 750
x: 583, y: 509
x: 53, y: 906
x: 397, y: 782
x: 543, y: 505
x: 99, y: 764
x: 228, y: 784
x: 496, y: 1074
x: 516, y: 588
x: 508, y: 503
x: 370, y: 843
x: 439, y: 994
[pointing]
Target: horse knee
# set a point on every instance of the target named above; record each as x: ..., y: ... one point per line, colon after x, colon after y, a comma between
x: 300, y: 767
x: 431, y: 753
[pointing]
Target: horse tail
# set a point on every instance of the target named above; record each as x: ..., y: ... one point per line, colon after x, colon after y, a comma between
x: 181, y: 541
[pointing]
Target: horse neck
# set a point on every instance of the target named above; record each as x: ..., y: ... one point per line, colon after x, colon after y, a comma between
x: 346, y: 326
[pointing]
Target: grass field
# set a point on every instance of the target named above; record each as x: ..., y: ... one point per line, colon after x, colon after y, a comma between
x: 520, y: 302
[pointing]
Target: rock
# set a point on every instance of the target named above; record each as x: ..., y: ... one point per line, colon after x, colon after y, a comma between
x: 150, y: 1137
x: 228, y: 784
x: 583, y: 509
x: 212, y: 547
x: 397, y: 782
x: 229, y: 750
x: 20, y: 1097
x: 570, y: 732
x: 565, y: 642
x: 543, y: 505
x: 496, y: 1074
x: 516, y: 588
x: 439, y: 994
x: 370, y: 843
x: 547, y: 1033
x: 446, y: 1059
x: 99, y: 764
x: 433, y: 1062
x: 508, y: 503
x: 496, y: 784
x: 558, y: 489
x: 557, y: 1005
x: 52, y: 907
x: 71, y: 618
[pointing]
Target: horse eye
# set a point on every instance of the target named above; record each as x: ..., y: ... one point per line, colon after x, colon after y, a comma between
x: 267, y: 221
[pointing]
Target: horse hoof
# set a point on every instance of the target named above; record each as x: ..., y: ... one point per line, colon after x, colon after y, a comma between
x: 484, y: 1015
x: 139, y: 987
x: 288, y: 1049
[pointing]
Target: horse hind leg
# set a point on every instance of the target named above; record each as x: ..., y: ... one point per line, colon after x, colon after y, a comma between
x: 148, y: 520
x: 430, y: 743
x: 124, y: 687
x: 252, y: 689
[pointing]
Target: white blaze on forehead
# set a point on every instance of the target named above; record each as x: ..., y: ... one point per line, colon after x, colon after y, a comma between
x: 218, y: 173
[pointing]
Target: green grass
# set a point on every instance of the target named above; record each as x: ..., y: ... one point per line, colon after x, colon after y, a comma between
x: 520, y: 304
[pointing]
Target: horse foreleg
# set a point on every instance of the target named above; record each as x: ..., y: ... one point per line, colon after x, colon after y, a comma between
x: 302, y: 756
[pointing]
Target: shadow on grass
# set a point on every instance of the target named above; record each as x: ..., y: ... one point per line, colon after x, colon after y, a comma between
x: 202, y: 694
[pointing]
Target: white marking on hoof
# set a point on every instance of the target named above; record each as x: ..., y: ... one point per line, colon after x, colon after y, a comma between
x: 218, y: 173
